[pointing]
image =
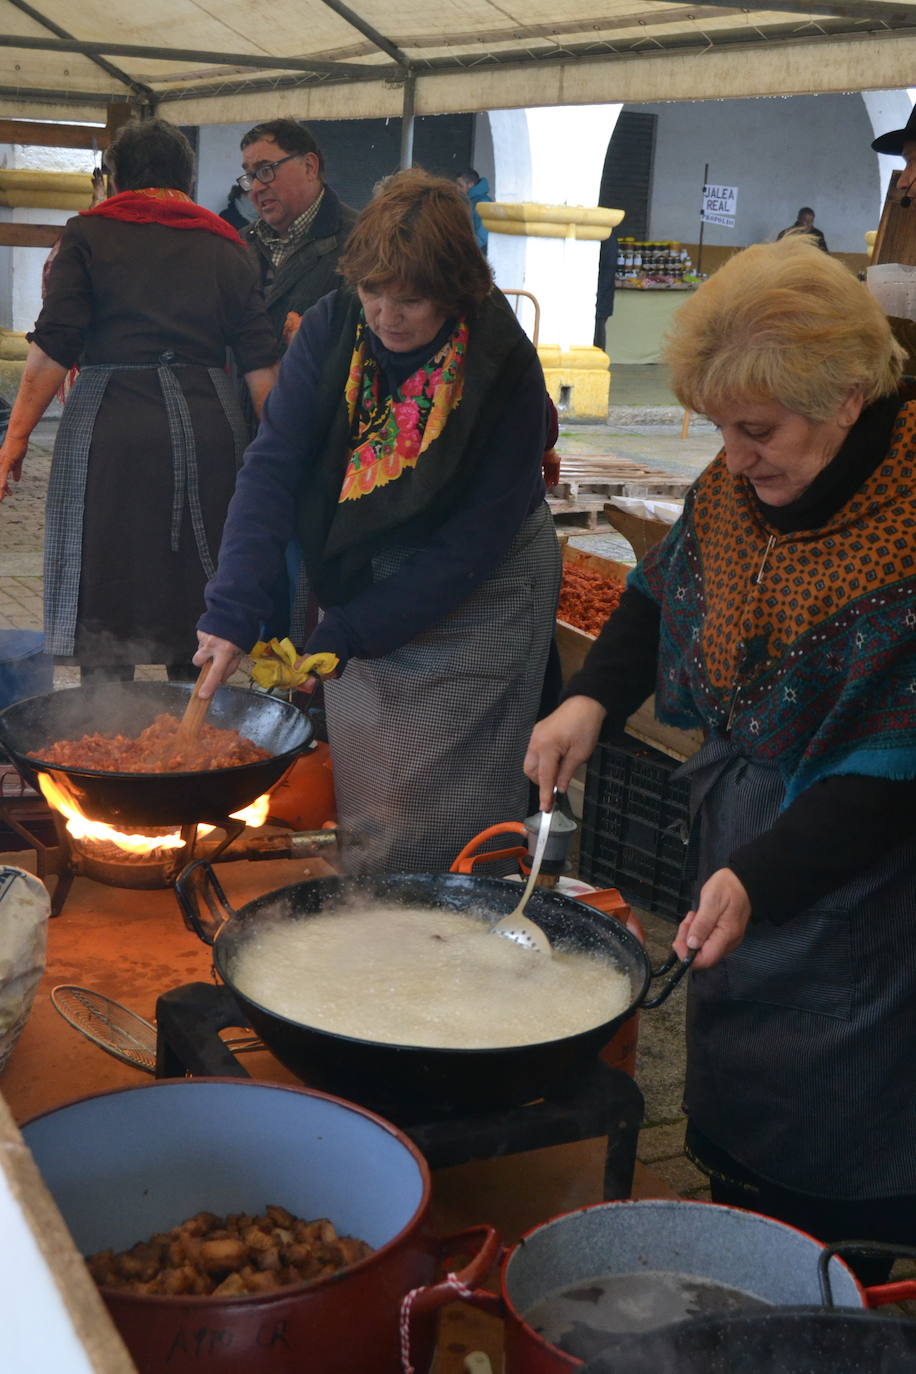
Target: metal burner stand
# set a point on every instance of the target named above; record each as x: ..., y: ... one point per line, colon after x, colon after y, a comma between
x: 25, y: 813
x: 603, y: 1101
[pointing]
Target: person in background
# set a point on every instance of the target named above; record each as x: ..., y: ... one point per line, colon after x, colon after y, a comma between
x: 301, y: 225
x: 477, y: 190
x: 238, y: 211
x: 146, y: 292
x: 804, y: 224
x: 296, y: 239
x: 607, y: 280
x: 779, y: 615
x: 404, y: 443
x: 902, y: 143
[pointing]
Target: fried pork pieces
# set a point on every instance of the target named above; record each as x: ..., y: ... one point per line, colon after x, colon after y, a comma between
x: 228, y: 1257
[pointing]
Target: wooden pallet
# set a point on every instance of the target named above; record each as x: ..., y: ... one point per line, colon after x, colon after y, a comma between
x: 587, y: 481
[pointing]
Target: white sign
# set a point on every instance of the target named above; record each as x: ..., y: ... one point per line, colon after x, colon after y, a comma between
x: 720, y: 205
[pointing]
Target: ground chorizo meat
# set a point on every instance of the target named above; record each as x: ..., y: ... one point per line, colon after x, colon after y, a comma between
x: 157, y: 749
x: 587, y: 598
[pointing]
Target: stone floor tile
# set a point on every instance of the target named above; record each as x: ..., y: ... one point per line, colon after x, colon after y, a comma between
x: 661, y: 1142
x: 681, y: 1175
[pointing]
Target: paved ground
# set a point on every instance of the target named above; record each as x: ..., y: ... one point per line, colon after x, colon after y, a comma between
x: 644, y: 424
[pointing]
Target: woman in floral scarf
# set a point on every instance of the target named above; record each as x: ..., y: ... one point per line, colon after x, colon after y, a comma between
x: 403, y: 447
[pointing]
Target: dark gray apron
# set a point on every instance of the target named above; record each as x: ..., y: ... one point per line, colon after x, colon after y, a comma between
x: 802, y: 1044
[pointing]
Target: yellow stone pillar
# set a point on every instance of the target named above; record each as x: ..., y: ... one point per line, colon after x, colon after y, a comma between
x: 23, y: 190
x: 13, y: 350
x: 561, y: 272
x: 46, y: 190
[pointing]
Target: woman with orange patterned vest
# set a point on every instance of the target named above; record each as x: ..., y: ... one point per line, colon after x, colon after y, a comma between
x: 780, y: 616
x: 403, y: 446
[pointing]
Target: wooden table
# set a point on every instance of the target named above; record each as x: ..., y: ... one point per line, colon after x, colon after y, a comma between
x: 133, y: 946
x: 634, y: 333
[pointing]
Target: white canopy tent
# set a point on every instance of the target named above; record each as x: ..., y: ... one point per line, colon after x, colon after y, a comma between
x: 201, y: 63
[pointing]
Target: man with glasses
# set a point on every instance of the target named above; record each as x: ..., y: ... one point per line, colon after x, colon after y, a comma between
x: 301, y: 226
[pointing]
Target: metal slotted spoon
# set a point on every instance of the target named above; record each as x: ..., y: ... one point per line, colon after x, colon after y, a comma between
x: 116, y: 1029
x: 516, y: 926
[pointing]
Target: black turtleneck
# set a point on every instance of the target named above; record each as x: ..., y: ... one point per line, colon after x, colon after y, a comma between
x: 836, y: 828
x: 395, y: 368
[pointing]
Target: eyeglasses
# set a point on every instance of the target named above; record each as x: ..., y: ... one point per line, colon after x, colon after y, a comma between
x: 265, y: 173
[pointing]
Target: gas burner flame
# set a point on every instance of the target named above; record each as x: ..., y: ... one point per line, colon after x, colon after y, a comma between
x: 99, y: 832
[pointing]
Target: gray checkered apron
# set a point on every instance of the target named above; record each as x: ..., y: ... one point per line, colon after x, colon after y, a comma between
x: 802, y: 1044
x: 63, y: 552
x: 428, y: 741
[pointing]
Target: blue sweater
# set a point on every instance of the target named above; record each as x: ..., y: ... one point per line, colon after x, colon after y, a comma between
x: 436, y: 577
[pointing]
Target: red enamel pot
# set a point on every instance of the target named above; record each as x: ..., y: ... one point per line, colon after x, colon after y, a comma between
x: 762, y: 1258
x: 125, y: 1165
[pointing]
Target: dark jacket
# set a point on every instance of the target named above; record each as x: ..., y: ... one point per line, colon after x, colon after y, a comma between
x: 813, y: 233
x: 310, y: 271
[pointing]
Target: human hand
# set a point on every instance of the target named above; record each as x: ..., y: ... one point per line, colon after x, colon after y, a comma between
x: 12, y: 452
x: 290, y: 326
x: 560, y: 742
x: 224, y: 658
x: 716, y: 928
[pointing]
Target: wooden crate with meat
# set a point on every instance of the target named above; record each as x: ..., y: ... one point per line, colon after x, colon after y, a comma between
x: 592, y: 587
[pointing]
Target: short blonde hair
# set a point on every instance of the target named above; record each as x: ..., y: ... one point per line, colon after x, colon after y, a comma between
x: 782, y: 322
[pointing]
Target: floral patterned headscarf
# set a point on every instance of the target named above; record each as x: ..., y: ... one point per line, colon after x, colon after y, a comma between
x: 390, y: 435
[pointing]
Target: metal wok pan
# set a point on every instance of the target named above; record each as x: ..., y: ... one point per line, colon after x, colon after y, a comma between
x: 430, y: 1080
x: 148, y: 799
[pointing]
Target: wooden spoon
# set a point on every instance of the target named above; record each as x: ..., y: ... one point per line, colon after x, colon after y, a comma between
x: 196, y: 710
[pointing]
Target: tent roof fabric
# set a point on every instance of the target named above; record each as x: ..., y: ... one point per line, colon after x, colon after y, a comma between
x: 201, y: 63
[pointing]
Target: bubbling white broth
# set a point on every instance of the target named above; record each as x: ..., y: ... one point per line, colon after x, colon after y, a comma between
x: 423, y: 976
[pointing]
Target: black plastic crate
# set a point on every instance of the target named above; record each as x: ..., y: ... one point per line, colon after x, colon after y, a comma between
x: 635, y: 828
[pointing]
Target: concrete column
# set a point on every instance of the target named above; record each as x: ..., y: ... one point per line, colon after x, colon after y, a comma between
x: 545, y: 160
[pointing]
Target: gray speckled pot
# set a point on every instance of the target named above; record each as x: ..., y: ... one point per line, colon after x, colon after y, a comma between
x: 740, y: 1249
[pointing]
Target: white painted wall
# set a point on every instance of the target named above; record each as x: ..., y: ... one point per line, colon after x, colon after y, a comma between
x: 781, y: 154
x: 219, y: 162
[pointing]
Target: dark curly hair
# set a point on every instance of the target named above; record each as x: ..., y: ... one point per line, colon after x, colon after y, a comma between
x: 416, y: 231
x: 151, y: 152
x: 288, y: 134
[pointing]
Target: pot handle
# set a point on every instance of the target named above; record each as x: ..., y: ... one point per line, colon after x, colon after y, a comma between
x: 466, y: 860
x: 189, y: 887
x: 460, y: 1285
x: 882, y: 1293
x: 682, y: 966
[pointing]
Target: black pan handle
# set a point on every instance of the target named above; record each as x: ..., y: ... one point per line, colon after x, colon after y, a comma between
x: 843, y: 1248
x: 682, y: 966
x: 193, y: 882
